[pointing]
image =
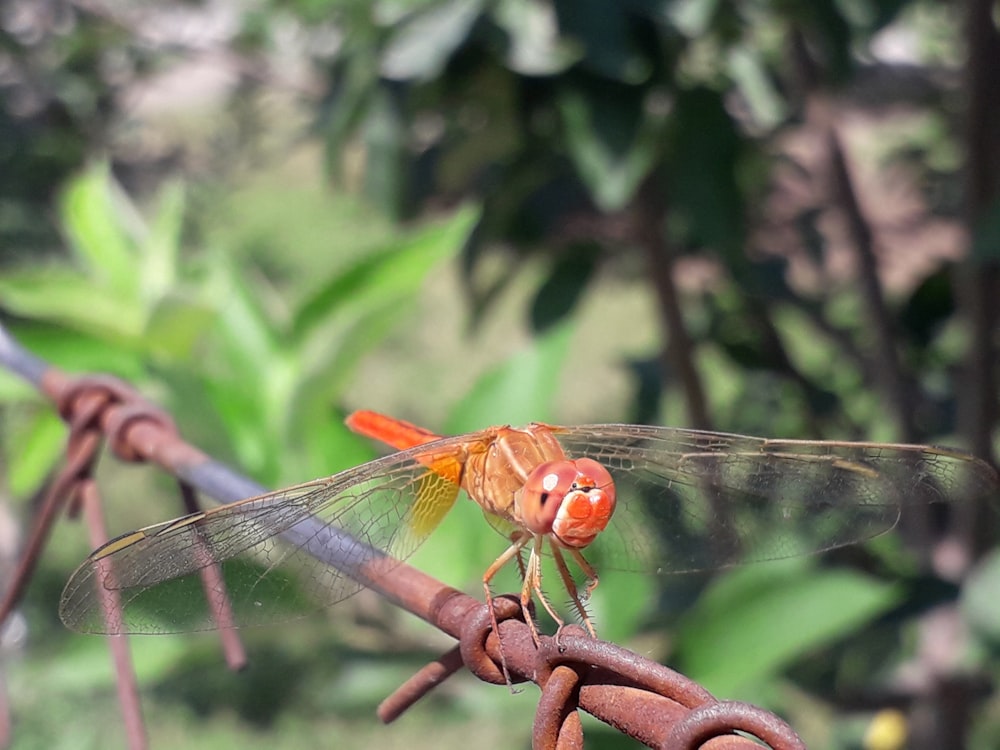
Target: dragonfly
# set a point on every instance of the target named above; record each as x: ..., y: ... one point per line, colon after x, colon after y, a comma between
x: 615, y: 496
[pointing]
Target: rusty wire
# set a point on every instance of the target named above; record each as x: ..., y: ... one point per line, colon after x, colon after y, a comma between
x: 639, y: 697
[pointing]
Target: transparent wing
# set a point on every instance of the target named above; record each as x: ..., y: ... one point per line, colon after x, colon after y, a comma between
x: 691, y: 500
x: 281, y: 554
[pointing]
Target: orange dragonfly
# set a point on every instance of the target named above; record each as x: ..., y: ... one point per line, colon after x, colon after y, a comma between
x: 656, y: 499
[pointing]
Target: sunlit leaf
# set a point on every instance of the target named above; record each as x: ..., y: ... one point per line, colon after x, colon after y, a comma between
x: 755, y: 83
x: 980, y: 603
x: 535, y: 46
x: 761, y: 618
x: 251, y: 337
x: 343, y: 346
x: 61, y: 295
x: 35, y: 451
x: 82, y: 352
x: 385, y: 275
x: 176, y: 325
x: 421, y: 45
x: 162, y: 246
x: 620, y: 603
x: 521, y: 390
x: 692, y: 17
x: 247, y: 369
x: 96, y: 216
x: 326, y: 447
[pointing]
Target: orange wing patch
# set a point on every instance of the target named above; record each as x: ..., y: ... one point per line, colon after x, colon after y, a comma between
x: 438, y: 489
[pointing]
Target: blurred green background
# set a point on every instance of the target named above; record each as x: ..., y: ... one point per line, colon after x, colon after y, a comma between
x: 774, y: 218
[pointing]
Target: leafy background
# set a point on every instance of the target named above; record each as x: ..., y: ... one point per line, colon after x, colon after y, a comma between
x: 771, y: 218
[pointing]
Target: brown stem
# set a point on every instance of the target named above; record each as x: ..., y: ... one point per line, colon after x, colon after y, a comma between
x: 128, y: 687
x: 979, y: 295
x: 889, y: 374
x: 677, y: 355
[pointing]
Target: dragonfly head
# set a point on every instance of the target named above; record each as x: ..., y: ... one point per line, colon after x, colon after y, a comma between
x: 572, y: 500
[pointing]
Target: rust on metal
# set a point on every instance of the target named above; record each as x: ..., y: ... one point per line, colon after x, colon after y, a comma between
x: 128, y: 687
x: 639, y: 697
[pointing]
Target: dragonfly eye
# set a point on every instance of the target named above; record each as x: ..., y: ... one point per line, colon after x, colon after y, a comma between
x: 586, y: 510
x: 573, y: 500
x: 543, y: 493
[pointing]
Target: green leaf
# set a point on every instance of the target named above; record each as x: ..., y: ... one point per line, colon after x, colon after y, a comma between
x: 604, y: 30
x: 63, y: 296
x: 250, y: 337
x: 980, y: 603
x: 534, y: 46
x: 612, y: 138
x: 176, y: 325
x: 521, y: 390
x: 386, y: 275
x: 341, y: 352
x: 254, y: 442
x: 162, y: 246
x: 247, y: 369
x: 421, y: 46
x: 79, y: 352
x: 14, y: 390
x: 324, y: 446
x: 354, y: 86
x: 693, y: 18
x: 703, y: 170
x: 620, y: 603
x: 564, y: 287
x: 94, y: 215
x: 35, y: 450
x: 755, y: 621
x: 828, y: 29
x: 386, y: 139
x: 751, y: 76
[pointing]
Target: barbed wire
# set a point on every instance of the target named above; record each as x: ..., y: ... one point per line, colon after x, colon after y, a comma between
x: 641, y: 698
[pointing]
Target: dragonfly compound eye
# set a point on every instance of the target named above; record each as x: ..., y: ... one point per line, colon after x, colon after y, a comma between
x: 544, y: 492
x: 586, y: 510
x: 573, y: 500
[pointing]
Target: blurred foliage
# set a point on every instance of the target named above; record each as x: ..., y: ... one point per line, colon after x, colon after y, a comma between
x: 480, y: 250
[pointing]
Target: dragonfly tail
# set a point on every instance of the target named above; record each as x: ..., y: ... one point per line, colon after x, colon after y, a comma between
x: 395, y: 432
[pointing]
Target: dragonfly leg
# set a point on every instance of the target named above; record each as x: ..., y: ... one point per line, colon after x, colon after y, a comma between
x: 520, y: 558
x: 518, y: 541
x: 533, y: 585
x: 588, y: 570
x: 571, y: 587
